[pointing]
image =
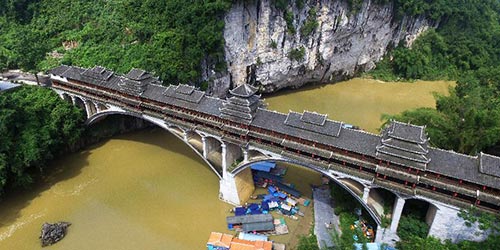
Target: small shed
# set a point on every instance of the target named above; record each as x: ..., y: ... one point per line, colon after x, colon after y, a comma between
x: 219, y: 241
x: 264, y: 166
x: 239, y: 244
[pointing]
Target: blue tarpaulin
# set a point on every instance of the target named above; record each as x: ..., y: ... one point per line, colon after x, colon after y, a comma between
x: 259, y: 174
x: 288, y: 189
x: 265, y: 166
x: 253, y: 206
x: 255, y: 212
x: 280, y: 195
x: 271, y: 189
x: 270, y: 197
x: 264, y: 205
x: 240, y: 211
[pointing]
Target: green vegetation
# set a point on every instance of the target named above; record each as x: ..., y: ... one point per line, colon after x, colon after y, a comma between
x: 288, y: 15
x: 310, y: 24
x: 466, y: 40
x: 467, y: 121
x: 464, y: 48
x: 345, y: 206
x: 170, y: 38
x: 35, y: 126
x: 297, y: 54
x: 308, y: 242
x: 413, y: 231
x: 410, y: 225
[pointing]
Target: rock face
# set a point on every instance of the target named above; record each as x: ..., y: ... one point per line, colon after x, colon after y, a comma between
x: 259, y: 44
x: 52, y: 233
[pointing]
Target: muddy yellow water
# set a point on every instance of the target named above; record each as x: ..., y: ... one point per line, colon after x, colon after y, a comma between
x: 147, y: 190
x: 360, y: 101
x: 138, y: 191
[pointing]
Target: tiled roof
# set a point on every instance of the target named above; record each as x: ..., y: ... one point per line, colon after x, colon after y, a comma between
x: 185, y: 93
x: 98, y: 73
x: 407, y: 132
x: 313, y: 118
x: 220, y: 239
x: 243, y: 90
x: 400, y: 143
x: 314, y: 123
x: 137, y: 74
x: 489, y: 164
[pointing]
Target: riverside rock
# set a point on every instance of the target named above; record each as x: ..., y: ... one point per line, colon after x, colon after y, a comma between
x: 260, y: 42
x: 52, y: 233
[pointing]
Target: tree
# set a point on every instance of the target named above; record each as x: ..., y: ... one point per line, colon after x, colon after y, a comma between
x: 35, y: 126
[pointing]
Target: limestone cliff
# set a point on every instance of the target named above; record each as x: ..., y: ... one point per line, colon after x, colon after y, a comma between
x: 270, y: 48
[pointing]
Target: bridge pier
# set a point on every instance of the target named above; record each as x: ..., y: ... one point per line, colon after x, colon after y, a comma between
x: 205, y: 146
x: 399, y: 204
x: 245, y: 155
x: 235, y: 189
x: 366, y: 194
x: 224, y: 160
x: 446, y: 224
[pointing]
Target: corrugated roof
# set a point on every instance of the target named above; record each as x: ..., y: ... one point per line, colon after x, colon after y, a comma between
x: 250, y: 218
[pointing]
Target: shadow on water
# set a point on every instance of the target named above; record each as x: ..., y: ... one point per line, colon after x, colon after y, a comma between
x: 115, y: 125
x: 167, y: 142
x: 58, y: 170
x: 291, y: 90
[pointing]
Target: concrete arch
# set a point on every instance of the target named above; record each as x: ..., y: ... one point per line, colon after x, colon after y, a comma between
x: 382, y: 201
x: 158, y: 122
x: 254, y: 154
x: 92, y: 108
x: 195, y: 139
x: 176, y: 130
x: 426, y: 209
x: 213, y: 152
x: 355, y: 186
x: 373, y: 214
x: 79, y: 102
x: 234, y: 154
x: 66, y: 97
x: 101, y: 107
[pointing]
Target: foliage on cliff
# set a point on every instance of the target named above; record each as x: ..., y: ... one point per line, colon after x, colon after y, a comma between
x: 35, y: 125
x: 171, y: 38
x: 465, y: 47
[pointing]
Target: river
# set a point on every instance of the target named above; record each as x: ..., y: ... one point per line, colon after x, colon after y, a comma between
x: 359, y: 101
x: 146, y: 190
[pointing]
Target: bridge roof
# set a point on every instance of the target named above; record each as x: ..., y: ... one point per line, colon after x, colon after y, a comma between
x: 408, y: 140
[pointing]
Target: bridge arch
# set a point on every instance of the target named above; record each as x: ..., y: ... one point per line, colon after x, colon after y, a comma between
x: 322, y: 171
x: 195, y: 139
x: 176, y: 130
x: 158, y: 122
x: 254, y: 154
x: 213, y: 152
x: 381, y: 200
x: 101, y: 107
x: 79, y: 102
x: 66, y: 97
x: 92, y: 107
x: 234, y: 154
x: 420, y: 209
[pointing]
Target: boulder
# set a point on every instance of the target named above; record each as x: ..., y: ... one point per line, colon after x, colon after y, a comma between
x: 52, y: 233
